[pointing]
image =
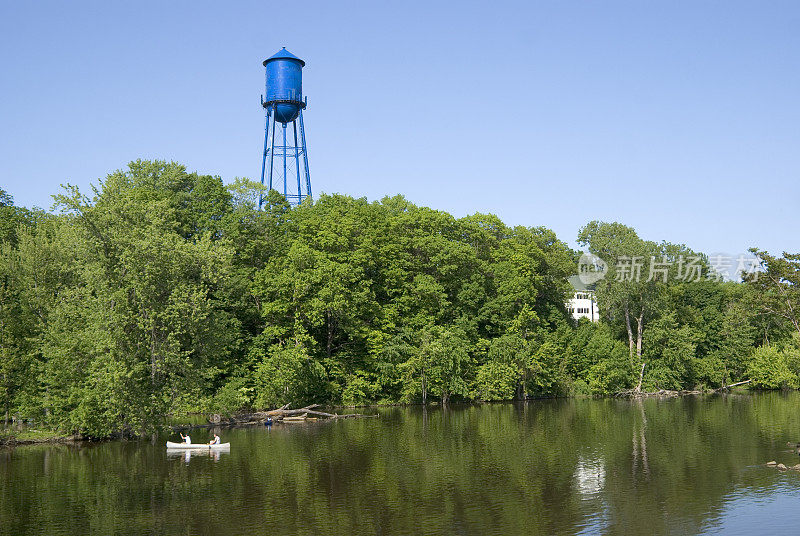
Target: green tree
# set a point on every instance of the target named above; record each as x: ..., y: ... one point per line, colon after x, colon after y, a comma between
x: 670, y: 349
x: 638, y: 286
x: 450, y: 363
x: 146, y: 309
x: 769, y: 369
x: 778, y: 286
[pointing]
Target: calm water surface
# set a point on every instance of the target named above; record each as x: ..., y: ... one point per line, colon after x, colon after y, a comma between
x: 679, y: 466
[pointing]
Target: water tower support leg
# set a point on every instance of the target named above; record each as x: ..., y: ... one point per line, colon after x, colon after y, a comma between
x: 285, y: 192
x: 297, y: 162
x: 305, y: 154
x: 264, y: 160
x: 272, y: 143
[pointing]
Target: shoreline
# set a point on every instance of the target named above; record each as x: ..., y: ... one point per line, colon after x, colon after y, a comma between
x: 36, y: 437
x: 42, y: 437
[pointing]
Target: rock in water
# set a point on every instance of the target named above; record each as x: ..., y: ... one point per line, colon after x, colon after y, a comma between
x: 781, y: 467
x: 772, y: 463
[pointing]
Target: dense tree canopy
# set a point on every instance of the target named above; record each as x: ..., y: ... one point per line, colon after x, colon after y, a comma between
x: 168, y: 291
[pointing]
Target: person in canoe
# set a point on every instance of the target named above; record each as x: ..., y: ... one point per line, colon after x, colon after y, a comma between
x: 215, y: 441
x: 186, y: 438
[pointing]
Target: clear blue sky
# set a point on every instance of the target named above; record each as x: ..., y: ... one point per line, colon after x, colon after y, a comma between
x: 679, y: 118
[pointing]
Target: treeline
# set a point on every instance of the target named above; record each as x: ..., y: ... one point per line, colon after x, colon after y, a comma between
x: 166, y: 292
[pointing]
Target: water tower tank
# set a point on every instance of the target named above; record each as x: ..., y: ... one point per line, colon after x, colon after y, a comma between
x: 284, y: 85
x: 284, y: 106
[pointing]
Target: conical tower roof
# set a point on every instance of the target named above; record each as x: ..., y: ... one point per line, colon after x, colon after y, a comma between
x: 283, y: 54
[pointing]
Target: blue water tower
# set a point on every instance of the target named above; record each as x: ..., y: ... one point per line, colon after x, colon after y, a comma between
x: 284, y: 104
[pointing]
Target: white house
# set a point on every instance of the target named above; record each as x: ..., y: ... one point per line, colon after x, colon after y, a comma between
x: 583, y: 304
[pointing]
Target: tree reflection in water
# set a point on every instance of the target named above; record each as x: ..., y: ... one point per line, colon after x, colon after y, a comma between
x: 186, y: 455
x: 639, y: 441
x: 678, y: 466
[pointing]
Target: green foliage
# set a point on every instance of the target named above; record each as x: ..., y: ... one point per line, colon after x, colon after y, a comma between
x: 168, y: 291
x: 635, y: 292
x: 449, y: 361
x: 778, y: 288
x: 359, y: 390
x: 111, y: 400
x: 495, y: 381
x: 287, y: 375
x: 234, y: 395
x: 547, y: 367
x: 670, y: 352
x: 769, y: 369
x: 613, y: 373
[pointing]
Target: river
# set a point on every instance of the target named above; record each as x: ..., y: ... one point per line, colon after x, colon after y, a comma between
x: 674, y: 466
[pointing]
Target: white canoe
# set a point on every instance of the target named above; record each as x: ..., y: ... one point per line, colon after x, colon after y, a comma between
x: 196, y: 446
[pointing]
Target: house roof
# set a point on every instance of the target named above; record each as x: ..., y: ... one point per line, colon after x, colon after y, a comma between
x: 579, y: 285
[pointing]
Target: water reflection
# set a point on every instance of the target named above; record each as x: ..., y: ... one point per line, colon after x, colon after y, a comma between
x: 590, y: 476
x: 640, y: 441
x: 680, y: 466
x: 187, y: 454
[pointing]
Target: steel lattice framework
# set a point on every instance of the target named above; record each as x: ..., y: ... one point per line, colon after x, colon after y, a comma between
x: 281, y: 169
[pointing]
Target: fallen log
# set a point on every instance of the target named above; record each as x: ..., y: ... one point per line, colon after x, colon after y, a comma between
x: 732, y: 385
x: 668, y: 393
x: 280, y: 413
x: 661, y: 393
